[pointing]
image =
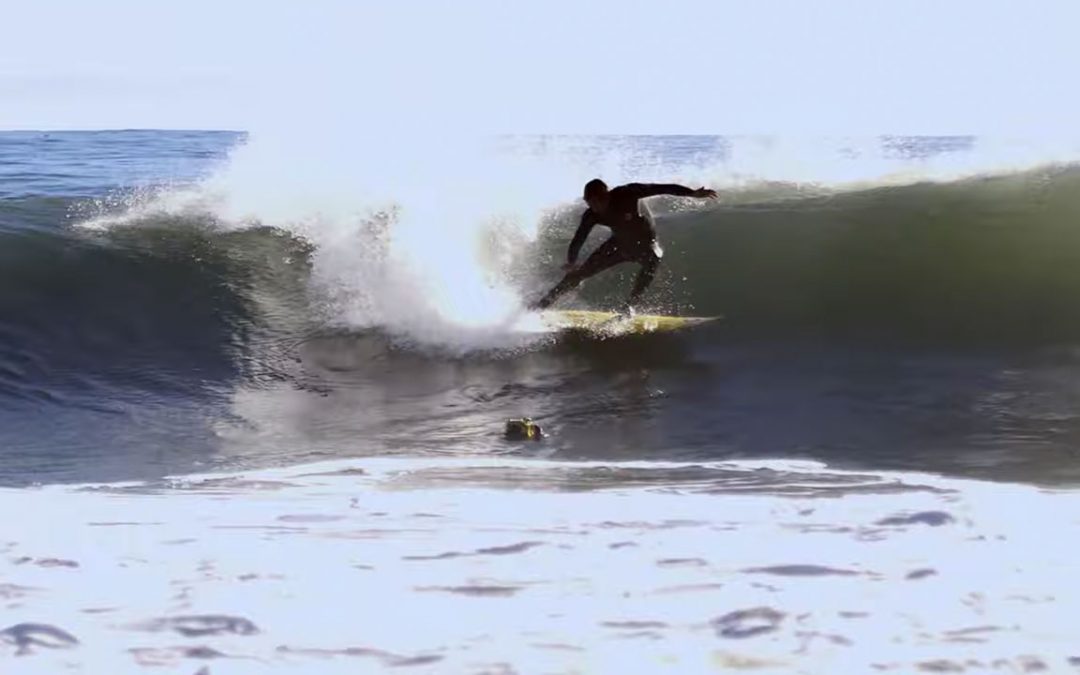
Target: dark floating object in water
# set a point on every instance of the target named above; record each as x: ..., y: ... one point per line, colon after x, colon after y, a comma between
x: 523, y: 429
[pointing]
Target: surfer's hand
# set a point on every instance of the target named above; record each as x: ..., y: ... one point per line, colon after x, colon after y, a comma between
x: 705, y: 193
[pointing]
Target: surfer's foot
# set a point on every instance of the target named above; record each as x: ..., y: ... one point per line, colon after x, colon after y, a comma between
x: 625, y: 309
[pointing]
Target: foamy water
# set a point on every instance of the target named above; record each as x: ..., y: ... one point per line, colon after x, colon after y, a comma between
x: 519, y: 566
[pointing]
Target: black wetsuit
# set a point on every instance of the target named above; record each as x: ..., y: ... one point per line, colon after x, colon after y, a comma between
x: 632, y: 239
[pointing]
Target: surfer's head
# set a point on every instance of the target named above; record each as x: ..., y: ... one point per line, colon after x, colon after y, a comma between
x: 596, y: 195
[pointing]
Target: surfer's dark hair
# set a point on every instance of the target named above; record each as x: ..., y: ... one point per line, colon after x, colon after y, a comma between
x: 595, y: 188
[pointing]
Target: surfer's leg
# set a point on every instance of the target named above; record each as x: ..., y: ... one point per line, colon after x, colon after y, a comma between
x: 608, y: 255
x: 650, y: 262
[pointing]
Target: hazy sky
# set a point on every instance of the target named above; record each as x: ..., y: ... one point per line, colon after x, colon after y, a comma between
x: 683, y: 66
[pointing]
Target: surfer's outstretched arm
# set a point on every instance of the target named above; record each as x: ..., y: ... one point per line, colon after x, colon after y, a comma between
x: 643, y: 190
x: 588, y: 220
x: 606, y: 255
x: 574, y: 274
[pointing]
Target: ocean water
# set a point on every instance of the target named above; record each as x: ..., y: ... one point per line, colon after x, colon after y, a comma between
x: 252, y: 389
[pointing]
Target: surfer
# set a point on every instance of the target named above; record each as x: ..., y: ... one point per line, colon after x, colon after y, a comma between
x: 632, y: 236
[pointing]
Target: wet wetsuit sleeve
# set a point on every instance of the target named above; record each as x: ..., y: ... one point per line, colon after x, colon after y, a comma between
x: 643, y: 190
x: 583, y: 230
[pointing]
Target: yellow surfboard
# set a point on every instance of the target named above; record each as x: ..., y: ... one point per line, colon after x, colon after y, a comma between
x: 612, y: 323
